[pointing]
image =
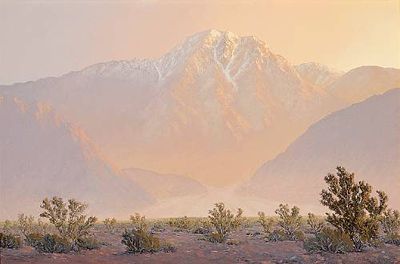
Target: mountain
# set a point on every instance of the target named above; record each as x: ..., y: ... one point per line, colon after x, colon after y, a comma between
x: 364, y: 138
x: 165, y: 186
x: 317, y: 74
x: 213, y: 108
x: 362, y: 82
x: 42, y: 155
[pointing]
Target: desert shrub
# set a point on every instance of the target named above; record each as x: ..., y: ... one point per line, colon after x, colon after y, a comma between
x: 181, y: 223
x: 314, y: 224
x: 354, y: 211
x: 140, y: 240
x: 139, y: 222
x: 390, y: 222
x: 49, y: 243
x: 223, y: 222
x: 167, y: 247
x: 88, y: 243
x: 202, y: 226
x: 266, y: 223
x: 26, y: 224
x: 329, y: 240
x: 289, y: 222
x: 276, y: 235
x: 32, y: 238
x: 10, y: 241
x: 158, y: 226
x: 110, y: 224
x: 69, y: 219
x: 43, y: 227
x: 8, y: 226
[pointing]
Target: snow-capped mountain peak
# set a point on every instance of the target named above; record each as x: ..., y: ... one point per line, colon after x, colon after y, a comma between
x: 223, y: 48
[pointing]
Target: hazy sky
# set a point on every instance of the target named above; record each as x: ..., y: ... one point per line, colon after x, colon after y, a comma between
x: 47, y: 38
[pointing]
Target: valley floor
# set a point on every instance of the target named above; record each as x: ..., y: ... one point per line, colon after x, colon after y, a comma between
x: 192, y: 249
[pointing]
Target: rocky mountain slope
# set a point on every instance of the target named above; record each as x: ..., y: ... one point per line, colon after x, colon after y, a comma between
x: 42, y: 155
x: 364, y: 138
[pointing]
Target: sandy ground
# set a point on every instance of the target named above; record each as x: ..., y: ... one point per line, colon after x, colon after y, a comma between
x: 192, y: 249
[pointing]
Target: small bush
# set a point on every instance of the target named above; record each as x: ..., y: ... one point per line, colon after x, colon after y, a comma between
x: 110, y: 224
x: 203, y: 226
x: 10, y: 241
x: 276, y: 235
x: 70, y: 221
x: 8, y: 227
x: 289, y: 222
x: 32, y: 238
x: 139, y: 222
x: 224, y: 222
x: 157, y: 226
x: 181, y: 223
x: 390, y: 222
x: 167, y: 247
x: 26, y: 224
x: 50, y: 243
x: 329, y: 240
x: 315, y: 225
x: 266, y: 223
x: 140, y: 240
x: 88, y: 243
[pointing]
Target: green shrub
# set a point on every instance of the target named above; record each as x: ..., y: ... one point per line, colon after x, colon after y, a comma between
x: 315, y: 225
x: 110, y: 224
x: 8, y: 227
x: 26, y: 224
x: 139, y: 222
x: 223, y: 222
x: 70, y: 222
x: 88, y: 243
x: 390, y: 222
x: 276, y: 235
x: 10, y: 241
x: 289, y: 222
x: 50, y: 243
x: 158, y: 226
x: 167, y: 247
x: 354, y: 211
x: 329, y: 240
x: 181, y: 223
x: 140, y: 240
x: 202, y: 226
x: 266, y: 223
x: 32, y: 238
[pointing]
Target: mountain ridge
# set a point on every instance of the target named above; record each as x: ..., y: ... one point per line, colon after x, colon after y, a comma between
x: 363, y: 137
x: 211, y: 100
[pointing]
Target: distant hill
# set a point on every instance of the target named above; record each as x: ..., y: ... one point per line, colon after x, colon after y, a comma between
x: 42, y: 155
x: 364, y: 138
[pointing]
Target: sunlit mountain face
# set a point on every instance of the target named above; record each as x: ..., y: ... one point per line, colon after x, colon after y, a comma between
x: 214, y: 108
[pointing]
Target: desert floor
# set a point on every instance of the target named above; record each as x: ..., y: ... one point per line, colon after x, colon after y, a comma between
x: 191, y: 248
